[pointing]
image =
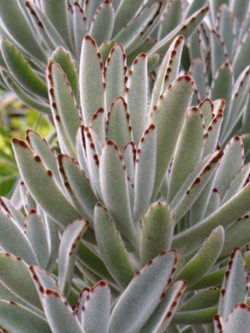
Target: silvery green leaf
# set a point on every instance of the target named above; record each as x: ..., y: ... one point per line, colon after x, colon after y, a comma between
x: 130, y: 36
x: 239, y: 9
x: 124, y: 13
x: 240, y: 61
x: 11, y: 11
x: 14, y: 240
x: 118, y: 126
x: 15, y: 276
x: 212, y: 131
x: 21, y: 70
x: 59, y: 314
x: 198, y: 74
x: 236, y: 235
x: 157, y: 231
x: 90, y: 8
x: 136, y: 92
x: 194, y: 184
x: 77, y: 186
x: 237, y: 183
x: 188, y: 150
x: 233, y: 156
x: 42, y: 148
x: 64, y: 59
x: 171, y: 17
x: 35, y: 230
x: 200, y: 316
x: 139, y: 300
x: 103, y: 22
x: 79, y: 26
x: 57, y: 13
x: 80, y: 150
x: 237, y: 321
x: 42, y: 186
x: 175, y: 100
x: 194, y: 6
x: 68, y: 251
x: 114, y: 187
x: 95, y: 317
x: 204, y: 259
x: 233, y: 209
x: 162, y: 316
x: 64, y: 108
x: 111, y: 247
x: 213, y: 203
x: 16, y: 318
x: 7, y: 206
x: 98, y: 122
x: 227, y: 28
x: 218, y: 52
x: 145, y: 164
x: 168, y: 70
x: 25, y: 97
x: 206, y: 106
x: 26, y: 198
x: 233, y: 289
x: 186, y: 28
x: 201, y: 300
x: 222, y: 86
x: 115, y: 70
x: 91, y: 79
x: 129, y: 155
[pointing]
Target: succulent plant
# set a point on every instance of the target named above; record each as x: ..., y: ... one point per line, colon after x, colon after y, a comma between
x: 41, y: 26
x: 135, y: 177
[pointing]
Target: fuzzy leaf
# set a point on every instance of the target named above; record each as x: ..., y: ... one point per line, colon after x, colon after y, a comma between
x: 233, y: 289
x: 21, y: 70
x: 95, y: 317
x: 218, y: 52
x: 42, y: 186
x: 157, y: 231
x: 91, y: 80
x: 237, y: 321
x: 111, y: 247
x: 79, y: 25
x: 67, y: 253
x: 168, y: 117
x: 240, y: 61
x: 139, y: 300
x: 103, y: 21
x: 171, y: 18
x: 204, y: 259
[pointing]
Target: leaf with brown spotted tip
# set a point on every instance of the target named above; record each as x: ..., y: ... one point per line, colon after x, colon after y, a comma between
x: 141, y: 298
x: 91, y: 81
x: 42, y: 185
x: 97, y: 308
x: 68, y: 251
x: 168, y: 117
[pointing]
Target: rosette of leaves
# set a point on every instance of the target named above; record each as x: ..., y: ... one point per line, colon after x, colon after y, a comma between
x: 218, y: 52
x: 32, y: 30
x: 134, y: 178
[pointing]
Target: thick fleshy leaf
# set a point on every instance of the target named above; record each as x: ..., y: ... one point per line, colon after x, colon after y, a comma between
x: 67, y: 253
x: 16, y: 318
x: 157, y: 231
x: 91, y: 79
x: 240, y: 59
x: 115, y: 70
x: 77, y: 186
x: 118, y: 125
x: 35, y: 230
x: 59, y: 314
x: 79, y: 25
x: 11, y: 11
x: 162, y: 316
x: 227, y: 28
x: 114, y: 186
x: 136, y: 91
x: 171, y: 17
x: 95, y: 317
x: 145, y: 163
x: 42, y: 186
x: 218, y: 52
x: 201, y: 300
x: 233, y: 289
x: 205, y: 258
x: 15, y: 276
x: 188, y: 150
x: 139, y: 300
x: 103, y: 21
x: 197, y: 72
x: 64, y: 108
x: 21, y: 70
x: 168, y: 117
x: 237, y: 321
x: 111, y: 247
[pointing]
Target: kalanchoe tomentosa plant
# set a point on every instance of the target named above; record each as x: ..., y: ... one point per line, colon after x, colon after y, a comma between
x: 136, y: 177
